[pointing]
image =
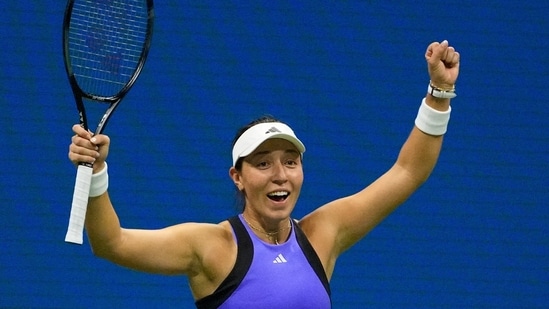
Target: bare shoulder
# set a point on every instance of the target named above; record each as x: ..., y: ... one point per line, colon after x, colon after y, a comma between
x: 216, y: 252
x: 322, y: 234
x: 321, y: 224
x: 205, y: 234
x: 207, y: 241
x: 212, y: 240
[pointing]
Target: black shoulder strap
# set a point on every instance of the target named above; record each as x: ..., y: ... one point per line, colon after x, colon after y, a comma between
x: 312, y: 257
x: 243, y: 261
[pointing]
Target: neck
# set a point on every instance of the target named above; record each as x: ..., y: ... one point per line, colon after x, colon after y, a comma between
x: 272, y: 236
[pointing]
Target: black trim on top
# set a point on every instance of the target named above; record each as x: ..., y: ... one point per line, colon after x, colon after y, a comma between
x: 312, y: 257
x: 244, y: 258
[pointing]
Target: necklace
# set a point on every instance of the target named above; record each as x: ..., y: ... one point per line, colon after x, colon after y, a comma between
x: 273, y: 236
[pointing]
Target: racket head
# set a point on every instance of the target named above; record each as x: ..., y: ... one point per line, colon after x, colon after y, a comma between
x: 105, y: 46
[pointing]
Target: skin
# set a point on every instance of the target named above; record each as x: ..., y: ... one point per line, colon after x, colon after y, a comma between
x: 206, y: 253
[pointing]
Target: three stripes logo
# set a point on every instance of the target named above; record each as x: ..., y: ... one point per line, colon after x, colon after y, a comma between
x: 280, y: 259
x: 272, y: 130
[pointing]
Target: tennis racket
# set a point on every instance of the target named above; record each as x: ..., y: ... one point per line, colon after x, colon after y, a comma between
x: 105, y: 45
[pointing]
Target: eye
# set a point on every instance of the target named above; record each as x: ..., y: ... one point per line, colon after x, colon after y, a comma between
x: 262, y: 164
x: 291, y: 162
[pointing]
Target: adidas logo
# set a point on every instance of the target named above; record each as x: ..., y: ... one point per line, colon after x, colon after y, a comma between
x: 279, y: 259
x: 272, y: 130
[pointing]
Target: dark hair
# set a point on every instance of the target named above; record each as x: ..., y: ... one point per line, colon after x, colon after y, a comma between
x: 240, y: 201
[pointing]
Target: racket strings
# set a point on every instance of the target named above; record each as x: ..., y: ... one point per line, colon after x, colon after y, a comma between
x: 106, y: 39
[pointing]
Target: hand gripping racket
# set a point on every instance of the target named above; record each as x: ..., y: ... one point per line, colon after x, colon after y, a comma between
x: 105, y: 45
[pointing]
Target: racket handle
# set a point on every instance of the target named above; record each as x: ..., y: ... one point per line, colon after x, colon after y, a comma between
x: 79, y: 206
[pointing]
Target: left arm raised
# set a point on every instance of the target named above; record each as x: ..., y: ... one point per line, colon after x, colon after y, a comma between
x: 336, y: 226
x: 358, y: 214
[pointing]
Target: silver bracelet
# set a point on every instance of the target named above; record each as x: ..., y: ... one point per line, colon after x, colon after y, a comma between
x: 441, y: 93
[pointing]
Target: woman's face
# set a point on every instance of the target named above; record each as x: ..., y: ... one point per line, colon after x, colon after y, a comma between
x: 271, y: 178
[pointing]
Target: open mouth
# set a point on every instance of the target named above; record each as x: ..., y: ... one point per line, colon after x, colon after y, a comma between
x: 278, y: 196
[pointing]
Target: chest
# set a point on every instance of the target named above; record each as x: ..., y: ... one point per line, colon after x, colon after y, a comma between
x: 279, y: 277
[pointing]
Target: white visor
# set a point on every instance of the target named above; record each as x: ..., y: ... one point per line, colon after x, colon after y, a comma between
x: 256, y: 135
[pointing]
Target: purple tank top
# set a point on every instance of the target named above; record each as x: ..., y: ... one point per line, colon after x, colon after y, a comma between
x: 289, y: 275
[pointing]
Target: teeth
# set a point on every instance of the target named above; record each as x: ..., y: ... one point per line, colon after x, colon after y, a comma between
x: 278, y: 193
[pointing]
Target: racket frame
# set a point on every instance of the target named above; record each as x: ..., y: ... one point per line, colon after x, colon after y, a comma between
x: 85, y: 170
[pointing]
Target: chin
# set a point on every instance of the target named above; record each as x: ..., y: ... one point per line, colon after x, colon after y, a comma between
x: 282, y: 209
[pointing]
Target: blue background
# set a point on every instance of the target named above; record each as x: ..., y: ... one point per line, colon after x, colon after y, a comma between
x: 348, y: 76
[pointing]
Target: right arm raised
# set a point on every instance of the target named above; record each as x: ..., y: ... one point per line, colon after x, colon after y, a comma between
x: 180, y: 249
x: 171, y: 250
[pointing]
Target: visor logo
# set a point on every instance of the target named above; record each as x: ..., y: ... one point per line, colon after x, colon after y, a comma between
x: 273, y: 130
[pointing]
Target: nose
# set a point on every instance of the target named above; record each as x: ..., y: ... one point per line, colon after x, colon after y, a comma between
x: 279, y: 173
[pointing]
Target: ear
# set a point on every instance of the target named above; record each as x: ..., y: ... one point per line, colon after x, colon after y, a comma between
x: 235, y: 176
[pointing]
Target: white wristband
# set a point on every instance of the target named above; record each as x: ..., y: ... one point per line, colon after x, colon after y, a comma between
x: 432, y: 121
x: 99, y: 182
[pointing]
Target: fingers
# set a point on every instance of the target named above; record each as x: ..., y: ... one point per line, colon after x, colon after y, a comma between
x: 80, y: 151
x: 437, y: 52
x: 453, y: 59
x: 80, y: 131
x: 450, y: 57
x: 87, y: 148
x: 443, y: 64
x: 432, y: 53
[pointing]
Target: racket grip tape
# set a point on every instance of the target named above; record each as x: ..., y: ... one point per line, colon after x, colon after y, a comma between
x: 79, y: 205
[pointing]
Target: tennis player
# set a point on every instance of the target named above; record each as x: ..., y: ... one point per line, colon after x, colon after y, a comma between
x: 264, y: 258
